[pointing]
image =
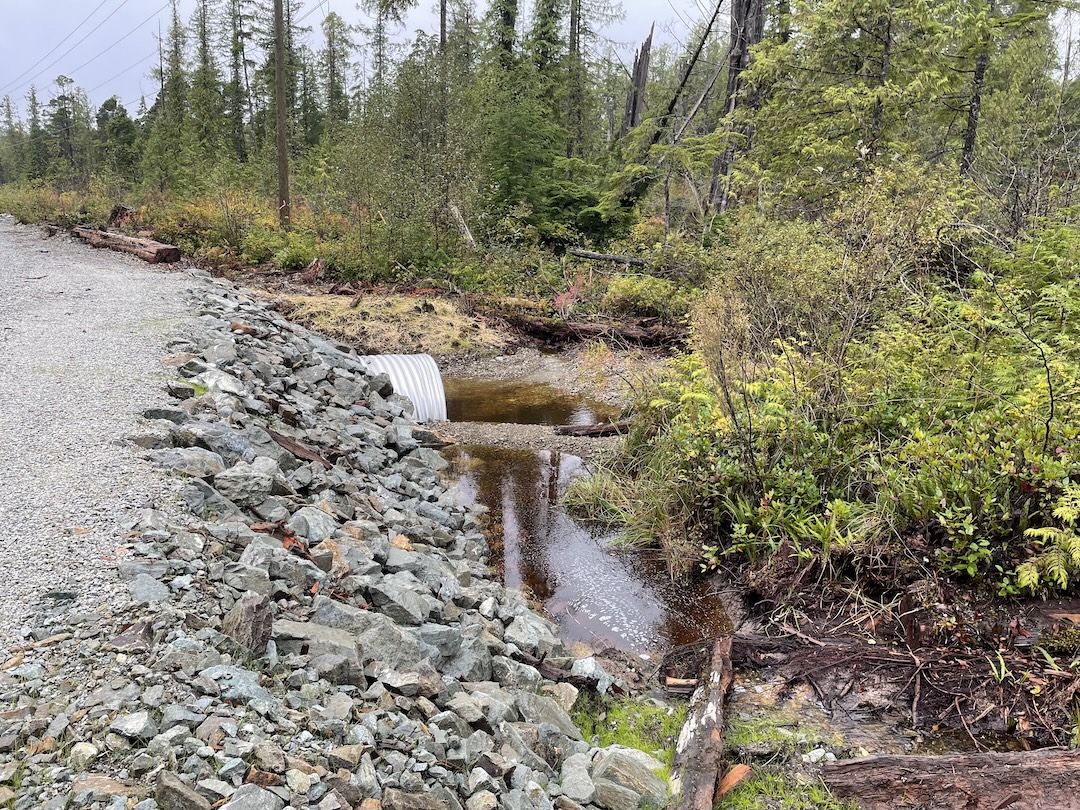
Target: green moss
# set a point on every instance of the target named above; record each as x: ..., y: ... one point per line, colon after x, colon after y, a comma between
x: 779, y: 791
x: 770, y: 733
x: 646, y: 725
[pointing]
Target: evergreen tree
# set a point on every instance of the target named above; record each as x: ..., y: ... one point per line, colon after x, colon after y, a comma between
x: 12, y: 145
x: 206, y: 127
x: 117, y: 141
x: 37, y: 153
x: 335, y: 61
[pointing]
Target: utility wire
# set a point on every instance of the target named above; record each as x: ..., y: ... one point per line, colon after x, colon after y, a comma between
x: 122, y: 72
x: 73, y: 47
x: 125, y: 36
x: 56, y: 46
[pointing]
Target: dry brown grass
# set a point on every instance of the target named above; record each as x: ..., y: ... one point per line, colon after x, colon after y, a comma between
x: 396, y: 324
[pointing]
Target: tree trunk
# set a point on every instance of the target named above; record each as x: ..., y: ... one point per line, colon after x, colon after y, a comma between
x: 284, y: 217
x: 635, y: 98
x: 700, y: 748
x: 747, y: 30
x: 967, y: 155
x: 1046, y: 779
x: 575, y: 143
x: 877, y: 123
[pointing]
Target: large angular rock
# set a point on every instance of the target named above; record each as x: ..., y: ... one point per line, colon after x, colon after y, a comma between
x: 194, y: 461
x: 533, y: 634
x: 247, y: 578
x: 172, y: 794
x: 146, y: 590
x: 378, y: 636
x: 220, y: 382
x: 252, y: 797
x: 575, y: 780
x: 312, y: 638
x: 227, y: 442
x: 616, y: 797
x: 394, y: 799
x: 590, y: 668
x: 631, y: 770
x: 138, y: 726
x: 248, y: 484
x: 250, y: 623
x: 397, y: 597
x: 238, y: 684
x: 538, y: 709
x: 313, y: 524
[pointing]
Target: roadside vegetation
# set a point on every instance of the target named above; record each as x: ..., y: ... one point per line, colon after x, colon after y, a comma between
x: 861, y: 214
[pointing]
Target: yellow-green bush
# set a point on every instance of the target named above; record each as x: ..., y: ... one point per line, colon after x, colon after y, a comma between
x: 932, y: 425
x: 645, y: 296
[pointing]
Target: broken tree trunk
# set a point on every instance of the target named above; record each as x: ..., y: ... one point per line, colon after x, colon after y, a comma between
x: 700, y: 748
x: 463, y: 226
x: 1046, y: 779
x: 606, y: 257
x: 635, y: 99
x: 146, y: 249
x: 595, y: 431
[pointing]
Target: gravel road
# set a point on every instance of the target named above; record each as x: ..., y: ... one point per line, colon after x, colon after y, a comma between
x: 81, y: 337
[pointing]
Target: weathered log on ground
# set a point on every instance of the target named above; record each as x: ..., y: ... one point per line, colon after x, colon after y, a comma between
x: 607, y: 257
x: 595, y: 431
x: 700, y: 748
x: 553, y: 330
x: 146, y: 249
x: 1047, y: 779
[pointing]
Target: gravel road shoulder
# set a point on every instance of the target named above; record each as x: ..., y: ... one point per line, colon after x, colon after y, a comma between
x: 81, y: 337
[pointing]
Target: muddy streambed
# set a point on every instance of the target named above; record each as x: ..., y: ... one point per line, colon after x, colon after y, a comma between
x: 600, y: 595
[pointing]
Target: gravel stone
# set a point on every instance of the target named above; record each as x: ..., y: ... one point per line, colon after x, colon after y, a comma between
x: 81, y: 333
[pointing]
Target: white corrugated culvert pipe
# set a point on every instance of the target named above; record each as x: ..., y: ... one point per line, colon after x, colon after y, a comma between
x: 414, y: 376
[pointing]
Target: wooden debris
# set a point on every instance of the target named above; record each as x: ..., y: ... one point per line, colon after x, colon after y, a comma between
x: 735, y: 774
x: 596, y: 431
x: 299, y: 450
x: 146, y: 249
x: 700, y: 748
x: 607, y: 257
x: 1046, y: 779
x: 559, y: 675
x: 553, y: 330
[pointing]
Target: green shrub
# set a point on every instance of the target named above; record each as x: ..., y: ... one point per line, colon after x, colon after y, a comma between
x: 645, y: 296
x: 937, y: 433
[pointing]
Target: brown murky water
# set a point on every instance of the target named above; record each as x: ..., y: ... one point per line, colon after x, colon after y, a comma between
x: 598, y: 595
x: 473, y: 400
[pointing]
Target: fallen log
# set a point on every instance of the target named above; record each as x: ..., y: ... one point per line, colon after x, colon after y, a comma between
x: 553, y: 330
x: 595, y: 431
x: 146, y: 249
x: 607, y: 257
x: 700, y: 748
x: 1046, y: 779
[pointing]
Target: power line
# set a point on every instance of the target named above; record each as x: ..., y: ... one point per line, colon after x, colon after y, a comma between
x: 309, y: 12
x: 104, y: 51
x: 125, y: 36
x: 122, y: 72
x: 57, y: 45
x: 73, y: 47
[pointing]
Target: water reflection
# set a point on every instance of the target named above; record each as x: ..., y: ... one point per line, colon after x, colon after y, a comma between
x: 599, y: 596
x: 473, y: 400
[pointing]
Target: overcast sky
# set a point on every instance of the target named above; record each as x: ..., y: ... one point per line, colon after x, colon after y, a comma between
x: 109, y: 48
